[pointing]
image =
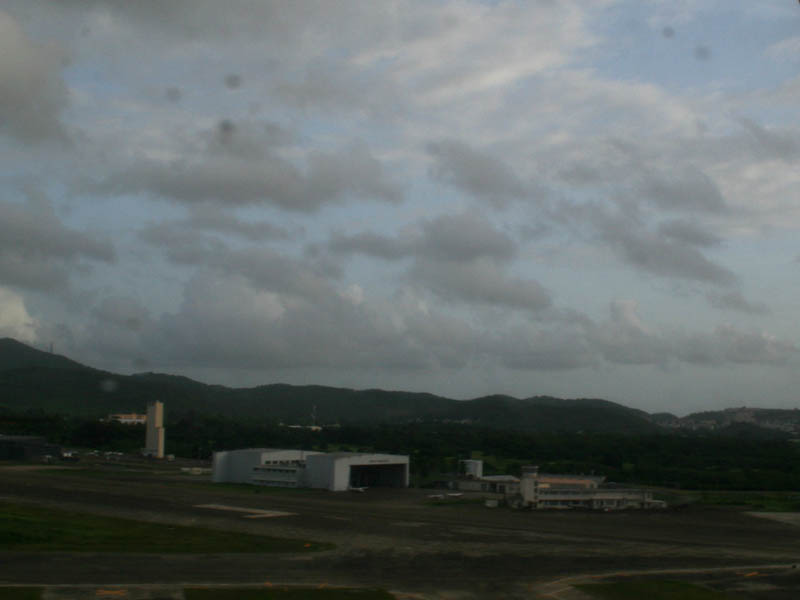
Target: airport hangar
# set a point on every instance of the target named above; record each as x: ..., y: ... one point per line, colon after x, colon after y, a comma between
x: 336, y: 471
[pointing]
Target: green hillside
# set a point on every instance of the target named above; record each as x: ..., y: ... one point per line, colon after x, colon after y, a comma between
x: 16, y: 355
x: 31, y: 379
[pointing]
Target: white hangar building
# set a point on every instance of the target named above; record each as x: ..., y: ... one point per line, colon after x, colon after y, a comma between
x: 337, y: 471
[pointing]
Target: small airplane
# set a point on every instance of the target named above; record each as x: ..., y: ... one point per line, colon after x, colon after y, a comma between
x: 360, y: 490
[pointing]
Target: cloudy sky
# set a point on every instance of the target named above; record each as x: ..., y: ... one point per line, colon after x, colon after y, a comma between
x: 596, y: 198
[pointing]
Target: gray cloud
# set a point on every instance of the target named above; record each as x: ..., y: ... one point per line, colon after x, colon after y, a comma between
x: 212, y: 218
x: 480, y: 282
x: 243, y: 327
x: 457, y: 237
x: 463, y: 237
x: 667, y: 258
x: 476, y: 173
x: 36, y: 249
x: 729, y: 345
x: 237, y: 170
x: 527, y: 348
x: 32, y: 93
x: 690, y: 190
x: 661, y: 253
x: 370, y: 244
x: 263, y: 268
x: 735, y: 301
x: 624, y: 339
x: 688, y: 232
x: 336, y: 86
x: 770, y: 143
x: 460, y: 257
x: 123, y: 312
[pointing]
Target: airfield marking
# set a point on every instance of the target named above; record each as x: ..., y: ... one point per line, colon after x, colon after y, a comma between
x: 252, y: 513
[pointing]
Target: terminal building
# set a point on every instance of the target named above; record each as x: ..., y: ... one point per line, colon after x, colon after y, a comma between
x: 336, y: 471
x: 537, y: 490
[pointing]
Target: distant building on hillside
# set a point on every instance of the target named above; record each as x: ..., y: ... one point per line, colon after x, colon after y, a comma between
x: 128, y: 418
x: 155, y: 434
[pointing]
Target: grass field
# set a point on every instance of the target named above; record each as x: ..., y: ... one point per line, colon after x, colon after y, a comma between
x: 758, y: 501
x: 276, y: 593
x: 20, y: 593
x: 651, y: 590
x: 26, y: 528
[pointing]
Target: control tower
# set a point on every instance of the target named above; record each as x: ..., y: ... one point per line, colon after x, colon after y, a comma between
x: 154, y: 439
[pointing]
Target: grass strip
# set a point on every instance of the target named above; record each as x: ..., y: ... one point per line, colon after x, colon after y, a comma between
x: 20, y: 593
x: 32, y: 528
x: 651, y: 590
x: 286, y: 593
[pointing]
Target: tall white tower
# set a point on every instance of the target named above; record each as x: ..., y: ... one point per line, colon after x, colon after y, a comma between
x: 154, y: 439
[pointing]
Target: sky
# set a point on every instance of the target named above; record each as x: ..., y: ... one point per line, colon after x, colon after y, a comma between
x: 579, y: 199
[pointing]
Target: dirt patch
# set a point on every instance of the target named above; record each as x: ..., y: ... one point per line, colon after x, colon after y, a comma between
x: 790, y: 518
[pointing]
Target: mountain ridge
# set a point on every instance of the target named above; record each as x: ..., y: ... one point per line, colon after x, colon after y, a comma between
x: 31, y: 379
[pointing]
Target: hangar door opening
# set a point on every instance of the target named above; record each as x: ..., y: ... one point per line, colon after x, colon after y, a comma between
x: 378, y: 475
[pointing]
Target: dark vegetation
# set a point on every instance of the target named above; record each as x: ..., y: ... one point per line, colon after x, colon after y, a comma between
x: 45, y: 394
x: 710, y: 462
x: 285, y: 593
x: 28, y: 528
x: 20, y: 593
x: 31, y: 379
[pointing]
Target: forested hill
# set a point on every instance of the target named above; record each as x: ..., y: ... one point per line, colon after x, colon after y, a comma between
x: 31, y: 379
x: 16, y: 355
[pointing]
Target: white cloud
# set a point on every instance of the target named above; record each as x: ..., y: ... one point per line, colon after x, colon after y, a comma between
x: 15, y: 322
x: 785, y: 50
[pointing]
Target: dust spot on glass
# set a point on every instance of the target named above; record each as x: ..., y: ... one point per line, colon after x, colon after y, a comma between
x: 702, y: 53
x: 226, y: 130
x: 233, y: 81
x: 668, y: 32
x: 701, y: 127
x: 108, y: 385
x: 173, y: 94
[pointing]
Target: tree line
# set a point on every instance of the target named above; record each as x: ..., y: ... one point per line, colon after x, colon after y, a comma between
x: 686, y: 461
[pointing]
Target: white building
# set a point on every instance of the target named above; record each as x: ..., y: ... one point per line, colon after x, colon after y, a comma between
x: 470, y: 468
x: 154, y: 436
x: 128, y: 418
x: 493, y: 484
x: 544, y: 490
x: 549, y: 490
x: 338, y: 471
